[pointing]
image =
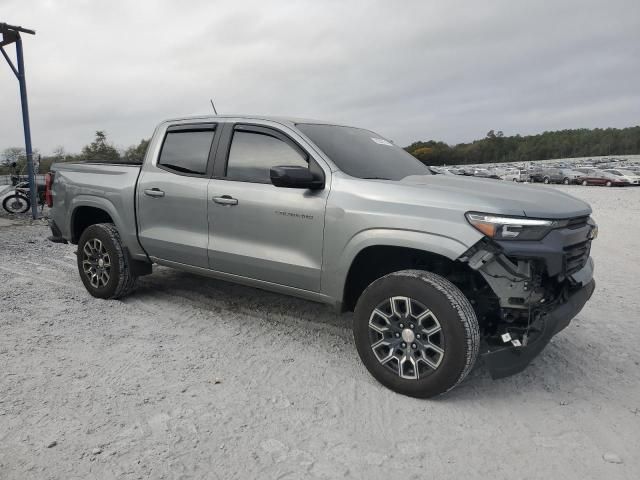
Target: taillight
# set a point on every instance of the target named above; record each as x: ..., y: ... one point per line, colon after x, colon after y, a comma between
x: 48, y: 197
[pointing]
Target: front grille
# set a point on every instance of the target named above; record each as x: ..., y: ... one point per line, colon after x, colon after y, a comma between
x: 576, y: 256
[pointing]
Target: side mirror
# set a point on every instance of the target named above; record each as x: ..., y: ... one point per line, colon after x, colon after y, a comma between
x: 295, y: 177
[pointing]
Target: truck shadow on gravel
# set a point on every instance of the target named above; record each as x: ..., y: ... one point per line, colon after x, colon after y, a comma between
x: 208, y: 293
x: 550, y: 374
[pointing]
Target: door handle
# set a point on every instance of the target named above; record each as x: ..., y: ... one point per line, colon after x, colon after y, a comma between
x: 154, y: 192
x: 225, y: 200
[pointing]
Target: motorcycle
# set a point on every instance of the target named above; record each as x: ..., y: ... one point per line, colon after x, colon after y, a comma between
x: 18, y: 201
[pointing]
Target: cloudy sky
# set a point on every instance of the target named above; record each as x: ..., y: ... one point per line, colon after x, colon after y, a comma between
x: 408, y: 69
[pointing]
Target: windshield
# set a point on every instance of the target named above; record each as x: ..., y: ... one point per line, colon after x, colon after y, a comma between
x: 363, y: 154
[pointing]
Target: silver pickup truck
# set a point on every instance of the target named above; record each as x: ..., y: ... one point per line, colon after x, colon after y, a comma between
x: 438, y: 269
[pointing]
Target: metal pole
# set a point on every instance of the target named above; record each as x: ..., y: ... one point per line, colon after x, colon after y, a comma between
x: 27, y: 128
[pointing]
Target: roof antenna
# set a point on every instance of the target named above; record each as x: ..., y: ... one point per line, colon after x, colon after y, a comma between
x: 213, y: 106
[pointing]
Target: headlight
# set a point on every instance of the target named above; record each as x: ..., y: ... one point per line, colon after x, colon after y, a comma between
x: 511, y: 228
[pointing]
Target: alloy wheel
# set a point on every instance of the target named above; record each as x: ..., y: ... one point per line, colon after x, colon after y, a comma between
x: 96, y: 263
x: 406, y: 337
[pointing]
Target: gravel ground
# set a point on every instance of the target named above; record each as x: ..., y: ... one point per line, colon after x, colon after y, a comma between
x: 192, y: 377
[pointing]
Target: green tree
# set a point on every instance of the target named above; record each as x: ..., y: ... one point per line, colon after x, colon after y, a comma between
x: 100, y: 150
x: 496, y: 147
x: 11, y: 155
x: 59, y: 155
x: 18, y: 156
x: 136, y: 153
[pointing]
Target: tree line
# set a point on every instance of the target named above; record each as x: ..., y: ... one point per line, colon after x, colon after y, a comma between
x: 495, y: 147
x: 100, y: 150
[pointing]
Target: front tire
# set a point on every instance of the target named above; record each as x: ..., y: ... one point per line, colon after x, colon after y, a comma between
x: 608, y: 184
x: 585, y: 183
x: 16, y: 203
x: 546, y: 180
x: 566, y: 181
x: 416, y: 333
x: 102, y: 263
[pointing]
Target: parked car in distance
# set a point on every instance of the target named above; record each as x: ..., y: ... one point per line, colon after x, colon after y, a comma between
x: 593, y: 176
x: 589, y: 176
x: 437, y: 269
x: 632, y: 177
x: 515, y: 175
x: 569, y: 176
x: 546, y: 175
x: 484, y: 173
x: 444, y: 171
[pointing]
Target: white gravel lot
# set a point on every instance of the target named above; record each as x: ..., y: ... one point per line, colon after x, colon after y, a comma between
x: 197, y: 378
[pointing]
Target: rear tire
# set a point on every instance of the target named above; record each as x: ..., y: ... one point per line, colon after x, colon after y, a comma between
x: 416, y: 333
x: 16, y: 204
x: 566, y: 181
x: 546, y: 180
x: 102, y: 263
x: 608, y: 184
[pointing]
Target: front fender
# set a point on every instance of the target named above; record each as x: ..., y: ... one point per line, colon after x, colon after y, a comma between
x: 335, y: 274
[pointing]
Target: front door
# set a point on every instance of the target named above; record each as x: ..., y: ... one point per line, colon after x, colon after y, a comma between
x: 258, y: 230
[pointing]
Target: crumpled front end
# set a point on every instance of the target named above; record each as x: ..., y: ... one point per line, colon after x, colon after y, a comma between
x: 540, y: 287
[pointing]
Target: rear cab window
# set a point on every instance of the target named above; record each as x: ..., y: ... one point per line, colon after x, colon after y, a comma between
x: 186, y: 149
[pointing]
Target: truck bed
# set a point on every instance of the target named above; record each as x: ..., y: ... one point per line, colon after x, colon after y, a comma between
x: 108, y: 186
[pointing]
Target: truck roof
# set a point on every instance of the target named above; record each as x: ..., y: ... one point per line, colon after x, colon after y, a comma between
x: 274, y: 118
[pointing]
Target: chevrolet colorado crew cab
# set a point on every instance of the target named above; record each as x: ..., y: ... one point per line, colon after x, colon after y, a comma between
x: 439, y: 270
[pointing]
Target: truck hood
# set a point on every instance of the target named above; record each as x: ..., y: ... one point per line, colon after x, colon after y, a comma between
x: 496, y: 196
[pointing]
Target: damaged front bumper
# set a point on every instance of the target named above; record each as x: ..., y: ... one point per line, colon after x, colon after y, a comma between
x: 504, y: 361
x: 538, y: 287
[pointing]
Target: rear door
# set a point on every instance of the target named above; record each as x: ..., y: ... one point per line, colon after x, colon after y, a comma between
x: 258, y: 230
x: 172, y: 194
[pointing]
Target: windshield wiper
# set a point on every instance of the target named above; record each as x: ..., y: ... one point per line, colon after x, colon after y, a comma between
x: 180, y: 169
x: 375, y: 178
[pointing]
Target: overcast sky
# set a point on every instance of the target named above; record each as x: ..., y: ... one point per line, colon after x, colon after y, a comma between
x: 410, y: 70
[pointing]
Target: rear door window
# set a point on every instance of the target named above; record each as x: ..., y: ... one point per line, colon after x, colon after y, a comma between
x: 186, y: 150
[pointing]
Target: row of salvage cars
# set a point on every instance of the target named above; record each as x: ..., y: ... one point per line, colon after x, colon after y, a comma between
x: 609, y: 177
x: 579, y: 175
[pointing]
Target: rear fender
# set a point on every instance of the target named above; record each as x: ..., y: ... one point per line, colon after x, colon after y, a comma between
x: 127, y: 232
